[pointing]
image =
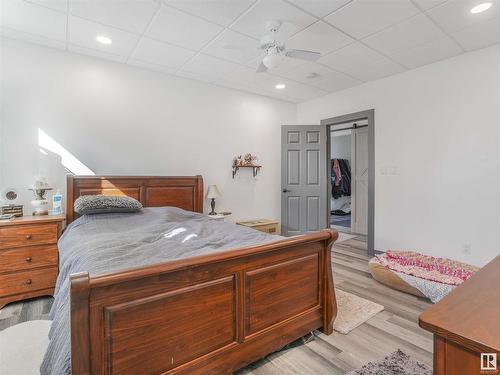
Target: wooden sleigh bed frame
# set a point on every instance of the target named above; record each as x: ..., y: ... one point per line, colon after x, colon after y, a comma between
x: 210, y: 314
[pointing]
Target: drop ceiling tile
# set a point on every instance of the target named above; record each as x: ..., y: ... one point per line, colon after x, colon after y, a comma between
x: 455, y: 15
x: 247, y: 76
x: 31, y: 38
x: 253, y: 89
x: 319, y: 37
x: 320, y: 8
x: 234, y: 85
x: 321, y: 77
x: 361, y: 18
x: 428, y: 4
x: 197, y: 77
x: 96, y: 53
x: 353, y: 56
x: 427, y: 53
x: 222, y: 12
x: 159, y: 53
x: 480, y: 35
x: 60, y: 5
x: 33, y: 19
x: 209, y: 66
x: 83, y: 33
x: 133, y: 16
x: 253, y: 22
x: 293, y: 89
x: 173, y: 26
x: 405, y: 35
x: 376, y: 69
x: 151, y: 66
x: 233, y: 46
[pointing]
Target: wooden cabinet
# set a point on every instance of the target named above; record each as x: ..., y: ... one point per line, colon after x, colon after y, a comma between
x: 29, y: 258
x: 466, y: 325
x: 263, y: 225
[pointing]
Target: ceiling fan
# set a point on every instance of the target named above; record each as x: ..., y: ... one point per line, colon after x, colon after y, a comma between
x: 276, y: 50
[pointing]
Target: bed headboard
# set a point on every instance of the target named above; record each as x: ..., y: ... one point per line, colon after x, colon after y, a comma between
x: 152, y: 191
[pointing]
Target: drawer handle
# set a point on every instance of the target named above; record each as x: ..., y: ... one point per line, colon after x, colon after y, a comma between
x: 28, y: 259
x: 28, y: 236
x: 28, y: 282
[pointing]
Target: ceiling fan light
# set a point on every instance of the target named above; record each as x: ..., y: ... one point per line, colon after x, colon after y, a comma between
x: 272, y: 60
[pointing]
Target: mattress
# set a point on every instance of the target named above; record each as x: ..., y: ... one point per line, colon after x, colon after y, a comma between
x: 105, y: 243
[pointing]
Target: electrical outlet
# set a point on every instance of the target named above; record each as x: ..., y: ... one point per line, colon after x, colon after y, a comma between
x: 467, y: 248
x: 383, y: 171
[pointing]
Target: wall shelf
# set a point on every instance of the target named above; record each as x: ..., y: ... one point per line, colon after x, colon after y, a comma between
x: 255, y: 169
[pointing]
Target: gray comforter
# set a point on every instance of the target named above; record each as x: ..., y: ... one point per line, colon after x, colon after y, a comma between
x: 109, y: 242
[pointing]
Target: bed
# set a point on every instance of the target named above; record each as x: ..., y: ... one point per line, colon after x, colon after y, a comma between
x: 205, y: 314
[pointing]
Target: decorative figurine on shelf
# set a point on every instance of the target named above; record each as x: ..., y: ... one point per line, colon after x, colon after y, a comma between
x: 247, y: 161
x: 237, y: 161
x: 40, y: 204
x: 212, y: 193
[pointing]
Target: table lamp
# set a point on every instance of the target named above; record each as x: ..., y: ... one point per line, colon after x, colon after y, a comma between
x: 212, y: 193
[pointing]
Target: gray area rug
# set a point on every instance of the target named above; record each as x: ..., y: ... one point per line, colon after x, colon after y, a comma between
x: 397, y: 363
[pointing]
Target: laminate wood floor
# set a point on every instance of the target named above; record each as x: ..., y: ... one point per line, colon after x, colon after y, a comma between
x: 394, y: 328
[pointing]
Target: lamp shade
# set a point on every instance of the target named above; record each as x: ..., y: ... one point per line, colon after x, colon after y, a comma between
x: 213, y: 192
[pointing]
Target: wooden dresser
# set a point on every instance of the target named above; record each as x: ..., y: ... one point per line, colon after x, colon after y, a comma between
x: 466, y: 323
x: 29, y: 259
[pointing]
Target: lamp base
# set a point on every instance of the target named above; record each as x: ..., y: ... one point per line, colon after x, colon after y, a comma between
x: 212, y: 205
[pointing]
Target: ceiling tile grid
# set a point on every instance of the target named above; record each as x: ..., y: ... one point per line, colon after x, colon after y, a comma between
x: 217, y: 41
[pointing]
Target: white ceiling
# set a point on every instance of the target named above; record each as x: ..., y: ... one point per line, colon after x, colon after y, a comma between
x: 360, y: 40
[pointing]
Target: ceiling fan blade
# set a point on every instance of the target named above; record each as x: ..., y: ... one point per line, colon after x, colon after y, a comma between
x: 304, y: 55
x: 262, y: 68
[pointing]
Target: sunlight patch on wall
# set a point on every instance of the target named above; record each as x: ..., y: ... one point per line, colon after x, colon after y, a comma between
x: 68, y: 160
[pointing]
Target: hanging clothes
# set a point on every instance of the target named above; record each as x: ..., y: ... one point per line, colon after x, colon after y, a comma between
x: 341, y: 178
x: 336, y: 170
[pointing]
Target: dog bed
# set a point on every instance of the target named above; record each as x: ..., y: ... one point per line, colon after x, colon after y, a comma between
x: 418, y: 274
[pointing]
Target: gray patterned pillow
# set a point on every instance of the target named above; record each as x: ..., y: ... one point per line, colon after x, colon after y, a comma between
x: 101, y: 204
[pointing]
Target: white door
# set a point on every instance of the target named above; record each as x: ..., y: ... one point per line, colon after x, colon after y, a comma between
x: 303, y: 179
x: 359, y: 181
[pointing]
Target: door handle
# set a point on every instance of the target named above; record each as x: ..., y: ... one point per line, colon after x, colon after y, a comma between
x: 286, y: 191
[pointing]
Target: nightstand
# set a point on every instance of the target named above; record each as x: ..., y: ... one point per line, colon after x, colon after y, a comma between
x: 220, y: 217
x: 263, y: 225
x: 29, y: 259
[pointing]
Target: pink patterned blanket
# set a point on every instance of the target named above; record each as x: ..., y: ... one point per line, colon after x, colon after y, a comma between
x: 442, y: 270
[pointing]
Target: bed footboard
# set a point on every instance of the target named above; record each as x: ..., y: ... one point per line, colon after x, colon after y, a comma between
x: 204, y: 315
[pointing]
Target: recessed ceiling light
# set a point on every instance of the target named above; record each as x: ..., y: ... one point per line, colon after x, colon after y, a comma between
x: 280, y: 86
x: 481, y: 8
x: 103, y: 39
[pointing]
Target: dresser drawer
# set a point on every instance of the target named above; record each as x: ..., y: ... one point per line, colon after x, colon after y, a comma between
x: 27, y: 235
x: 24, y: 258
x: 27, y: 281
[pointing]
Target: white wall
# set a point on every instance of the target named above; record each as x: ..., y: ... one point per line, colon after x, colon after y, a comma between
x: 119, y: 119
x: 437, y: 129
x: 340, y: 145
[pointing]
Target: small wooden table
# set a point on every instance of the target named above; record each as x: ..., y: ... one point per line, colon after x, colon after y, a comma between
x: 466, y: 325
x: 263, y: 225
